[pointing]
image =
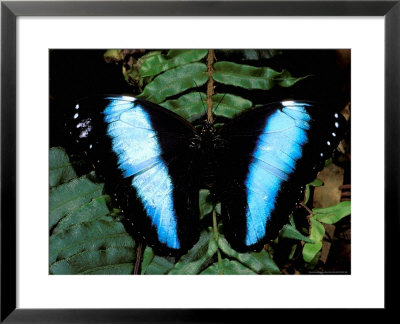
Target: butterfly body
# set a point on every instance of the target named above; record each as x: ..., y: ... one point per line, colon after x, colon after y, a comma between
x: 154, y: 163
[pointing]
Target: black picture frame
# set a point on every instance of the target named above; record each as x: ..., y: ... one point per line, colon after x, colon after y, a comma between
x: 10, y: 10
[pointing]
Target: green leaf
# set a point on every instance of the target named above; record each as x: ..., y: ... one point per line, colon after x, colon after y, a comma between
x: 153, y: 264
x: 307, y: 194
x: 193, y: 261
x: 310, y: 250
x: 291, y: 220
x: 205, y: 204
x: 292, y: 251
x: 230, y: 268
x: 132, y: 73
x: 218, y: 208
x: 88, y: 236
x: 111, y: 269
x: 148, y: 256
x: 317, y: 231
x: 95, y: 209
x: 61, y: 170
x: 70, y: 196
x: 316, y: 183
x: 175, y: 81
x: 259, y: 262
x: 188, y: 106
x: 285, y: 79
x: 230, y: 106
x: 114, y: 259
x: 155, y: 64
x: 158, y: 266
x: 289, y: 231
x: 85, y: 238
x: 250, y: 77
x: 333, y: 214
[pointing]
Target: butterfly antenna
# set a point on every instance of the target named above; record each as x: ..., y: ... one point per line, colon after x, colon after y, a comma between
x: 219, y: 103
x: 204, y: 108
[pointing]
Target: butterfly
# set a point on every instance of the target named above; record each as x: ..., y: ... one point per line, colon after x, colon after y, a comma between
x: 154, y: 163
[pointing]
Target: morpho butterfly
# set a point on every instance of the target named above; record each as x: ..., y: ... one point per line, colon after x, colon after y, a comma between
x: 154, y: 163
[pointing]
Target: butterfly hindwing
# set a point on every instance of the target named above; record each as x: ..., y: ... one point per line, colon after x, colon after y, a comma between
x: 271, y: 153
x: 141, y: 152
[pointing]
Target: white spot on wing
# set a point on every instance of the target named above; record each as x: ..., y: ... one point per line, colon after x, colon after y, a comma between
x: 127, y: 98
x: 288, y: 103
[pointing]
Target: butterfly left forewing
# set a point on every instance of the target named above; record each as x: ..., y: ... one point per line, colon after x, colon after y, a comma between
x: 141, y: 152
x: 271, y: 153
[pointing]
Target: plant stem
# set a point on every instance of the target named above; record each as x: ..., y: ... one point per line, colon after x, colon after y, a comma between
x: 138, y: 263
x: 210, y: 85
x: 306, y: 208
x: 215, y: 228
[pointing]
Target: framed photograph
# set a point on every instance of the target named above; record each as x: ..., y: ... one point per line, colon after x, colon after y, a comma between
x: 170, y: 140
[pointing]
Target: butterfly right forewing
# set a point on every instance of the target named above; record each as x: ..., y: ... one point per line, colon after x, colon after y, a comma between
x: 271, y: 153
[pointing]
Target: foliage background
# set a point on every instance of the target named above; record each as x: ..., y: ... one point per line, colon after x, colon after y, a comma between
x: 86, y: 233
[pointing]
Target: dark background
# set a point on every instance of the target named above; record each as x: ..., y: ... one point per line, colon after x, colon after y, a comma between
x: 76, y: 74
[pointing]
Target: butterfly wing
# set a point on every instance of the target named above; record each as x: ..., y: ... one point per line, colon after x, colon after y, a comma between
x: 142, y: 153
x: 270, y: 153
